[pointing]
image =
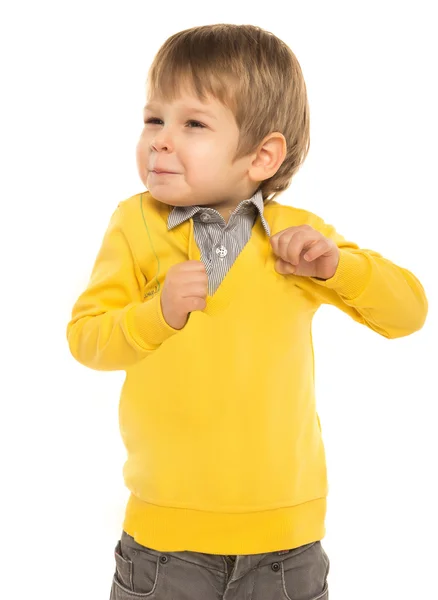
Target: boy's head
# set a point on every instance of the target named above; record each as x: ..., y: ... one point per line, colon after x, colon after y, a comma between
x: 256, y: 135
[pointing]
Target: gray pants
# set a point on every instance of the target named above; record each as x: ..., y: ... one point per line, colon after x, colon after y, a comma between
x: 141, y: 572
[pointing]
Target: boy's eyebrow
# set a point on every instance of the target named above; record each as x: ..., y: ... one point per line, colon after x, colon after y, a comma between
x: 190, y: 109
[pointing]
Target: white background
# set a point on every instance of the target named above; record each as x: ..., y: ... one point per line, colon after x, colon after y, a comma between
x: 73, y: 83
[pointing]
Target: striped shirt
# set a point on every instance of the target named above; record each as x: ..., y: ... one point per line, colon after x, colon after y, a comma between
x: 219, y: 242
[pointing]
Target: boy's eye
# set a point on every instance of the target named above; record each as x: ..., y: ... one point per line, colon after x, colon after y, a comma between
x: 197, y: 123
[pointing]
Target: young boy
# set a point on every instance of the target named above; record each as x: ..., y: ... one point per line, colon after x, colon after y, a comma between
x: 204, y: 291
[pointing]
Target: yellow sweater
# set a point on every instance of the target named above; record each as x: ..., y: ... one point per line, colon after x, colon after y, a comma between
x: 224, y: 446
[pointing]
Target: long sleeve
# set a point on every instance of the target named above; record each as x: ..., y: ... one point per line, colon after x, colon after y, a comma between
x: 372, y: 290
x: 111, y: 328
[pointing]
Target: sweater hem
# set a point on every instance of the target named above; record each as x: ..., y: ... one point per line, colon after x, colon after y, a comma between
x: 168, y: 529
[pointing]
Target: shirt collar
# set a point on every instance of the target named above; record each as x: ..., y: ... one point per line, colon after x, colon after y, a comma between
x: 179, y: 214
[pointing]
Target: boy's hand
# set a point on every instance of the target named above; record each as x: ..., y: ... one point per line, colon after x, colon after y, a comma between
x: 185, y: 290
x: 293, y: 244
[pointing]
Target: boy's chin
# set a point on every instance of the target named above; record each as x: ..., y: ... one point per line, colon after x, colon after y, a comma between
x: 168, y: 199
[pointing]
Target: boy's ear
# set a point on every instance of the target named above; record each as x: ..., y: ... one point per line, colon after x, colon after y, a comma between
x: 269, y: 157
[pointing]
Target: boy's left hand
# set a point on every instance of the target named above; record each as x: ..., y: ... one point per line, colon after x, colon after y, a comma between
x: 293, y: 244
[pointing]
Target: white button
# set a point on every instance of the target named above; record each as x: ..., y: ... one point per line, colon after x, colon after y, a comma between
x: 205, y: 217
x: 221, y: 251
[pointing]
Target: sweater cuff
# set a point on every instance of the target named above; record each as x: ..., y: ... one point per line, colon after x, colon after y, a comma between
x: 352, y: 274
x: 147, y: 325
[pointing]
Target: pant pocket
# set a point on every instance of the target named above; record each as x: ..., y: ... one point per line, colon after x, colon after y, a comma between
x: 304, y: 574
x: 124, y: 568
x: 135, y: 575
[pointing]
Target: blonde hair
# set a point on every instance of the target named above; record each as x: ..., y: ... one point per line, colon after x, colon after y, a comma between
x: 252, y: 72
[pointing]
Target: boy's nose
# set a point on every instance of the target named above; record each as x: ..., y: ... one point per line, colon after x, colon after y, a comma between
x: 160, y: 144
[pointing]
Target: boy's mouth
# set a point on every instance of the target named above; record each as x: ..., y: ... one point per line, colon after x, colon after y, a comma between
x: 162, y: 173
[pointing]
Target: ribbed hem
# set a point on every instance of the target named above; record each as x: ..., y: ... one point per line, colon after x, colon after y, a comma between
x: 169, y: 529
x: 147, y: 325
x: 352, y: 275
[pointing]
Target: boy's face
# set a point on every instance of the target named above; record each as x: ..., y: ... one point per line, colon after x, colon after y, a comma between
x: 198, y: 149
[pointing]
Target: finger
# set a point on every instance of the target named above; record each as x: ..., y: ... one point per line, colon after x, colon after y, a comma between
x: 282, y: 234
x: 283, y: 267
x: 300, y: 241
x: 317, y: 250
x: 285, y: 243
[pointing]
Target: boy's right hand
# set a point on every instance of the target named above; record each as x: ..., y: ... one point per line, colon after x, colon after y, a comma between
x: 185, y: 289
